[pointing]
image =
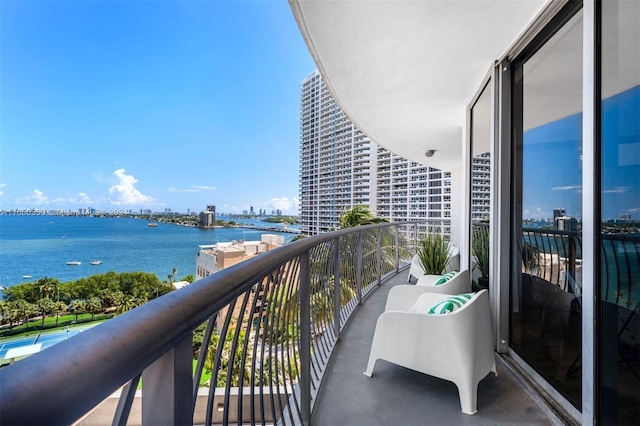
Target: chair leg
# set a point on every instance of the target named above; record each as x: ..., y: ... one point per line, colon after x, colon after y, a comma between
x: 468, y: 398
x: 370, y: 365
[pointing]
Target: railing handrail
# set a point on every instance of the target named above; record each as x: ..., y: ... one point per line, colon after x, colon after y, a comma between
x: 553, y: 232
x: 132, y: 341
x: 630, y: 237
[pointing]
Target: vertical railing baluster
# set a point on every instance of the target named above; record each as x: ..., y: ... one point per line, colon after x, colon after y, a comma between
x: 379, y: 255
x: 572, y: 264
x: 397, y: 253
x: 605, y: 269
x: 305, y: 338
x: 121, y: 416
x: 359, y: 267
x: 617, y: 265
x: 202, y: 356
x: 336, y: 287
x: 629, y: 289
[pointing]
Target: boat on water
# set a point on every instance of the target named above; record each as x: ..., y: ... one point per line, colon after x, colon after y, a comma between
x: 27, y: 276
x: 152, y: 225
x: 95, y: 262
x: 74, y: 263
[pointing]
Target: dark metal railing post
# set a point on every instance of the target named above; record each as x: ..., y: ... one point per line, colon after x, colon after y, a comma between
x: 336, y: 287
x: 397, y: 251
x: 379, y: 255
x: 125, y: 402
x: 167, y: 387
x: 305, y: 338
x: 572, y: 263
x: 359, y: 267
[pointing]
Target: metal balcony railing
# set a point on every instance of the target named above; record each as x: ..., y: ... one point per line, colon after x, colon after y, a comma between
x: 556, y: 256
x: 248, y: 344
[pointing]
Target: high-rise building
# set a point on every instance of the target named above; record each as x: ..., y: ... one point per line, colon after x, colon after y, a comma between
x: 481, y: 188
x: 411, y: 191
x: 559, y: 213
x: 336, y: 160
x: 207, y: 218
x: 340, y: 167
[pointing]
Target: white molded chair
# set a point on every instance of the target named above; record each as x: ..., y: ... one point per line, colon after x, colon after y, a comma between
x: 404, y: 296
x: 416, y: 270
x: 457, y: 346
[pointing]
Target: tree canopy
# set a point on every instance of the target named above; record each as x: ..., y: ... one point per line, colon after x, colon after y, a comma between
x: 357, y: 216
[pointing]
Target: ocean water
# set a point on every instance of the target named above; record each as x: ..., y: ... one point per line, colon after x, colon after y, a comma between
x: 39, y: 246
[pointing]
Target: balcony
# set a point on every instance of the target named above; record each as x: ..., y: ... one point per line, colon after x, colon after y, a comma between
x: 297, y: 322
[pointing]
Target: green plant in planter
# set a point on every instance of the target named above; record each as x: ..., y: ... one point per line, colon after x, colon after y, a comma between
x: 434, y: 253
x: 480, y: 248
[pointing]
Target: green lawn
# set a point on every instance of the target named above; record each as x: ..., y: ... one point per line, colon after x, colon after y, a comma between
x: 35, y: 326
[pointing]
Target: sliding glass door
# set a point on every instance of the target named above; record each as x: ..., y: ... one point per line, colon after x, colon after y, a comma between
x: 546, y: 281
x: 619, y: 319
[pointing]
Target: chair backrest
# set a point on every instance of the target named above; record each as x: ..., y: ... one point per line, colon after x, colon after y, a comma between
x: 425, y: 302
x: 459, y: 283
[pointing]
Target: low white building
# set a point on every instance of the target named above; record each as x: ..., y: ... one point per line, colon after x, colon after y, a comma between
x: 215, y: 257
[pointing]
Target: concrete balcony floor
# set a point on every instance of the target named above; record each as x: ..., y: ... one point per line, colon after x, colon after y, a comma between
x: 399, y: 396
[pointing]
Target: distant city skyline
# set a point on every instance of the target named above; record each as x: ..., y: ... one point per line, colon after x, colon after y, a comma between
x: 150, y: 105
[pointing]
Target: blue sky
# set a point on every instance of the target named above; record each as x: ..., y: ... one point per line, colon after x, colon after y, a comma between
x: 150, y: 104
x: 552, y: 166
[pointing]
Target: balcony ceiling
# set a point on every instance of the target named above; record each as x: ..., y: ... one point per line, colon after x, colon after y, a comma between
x: 404, y: 71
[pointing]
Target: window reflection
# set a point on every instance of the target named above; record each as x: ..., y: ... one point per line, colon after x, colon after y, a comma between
x: 620, y: 201
x: 481, y: 136
x: 546, y: 290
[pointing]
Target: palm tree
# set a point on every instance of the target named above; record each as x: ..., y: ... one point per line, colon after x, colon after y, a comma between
x: 94, y: 306
x: 358, y: 215
x: 46, y: 286
x: 78, y: 307
x: 129, y: 302
x: 361, y: 215
x: 4, y: 307
x: 24, y: 310
x: 46, y: 306
x: 59, y: 308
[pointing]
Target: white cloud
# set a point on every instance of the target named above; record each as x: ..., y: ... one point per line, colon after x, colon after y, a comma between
x: 285, y: 204
x: 172, y: 189
x: 83, y: 198
x: 2, y: 185
x: 126, y: 192
x: 617, y: 190
x: 193, y: 188
x: 566, y: 188
x: 38, y: 198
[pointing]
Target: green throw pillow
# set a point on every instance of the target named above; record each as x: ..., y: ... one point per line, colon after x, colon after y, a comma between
x: 450, y: 304
x: 446, y: 277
